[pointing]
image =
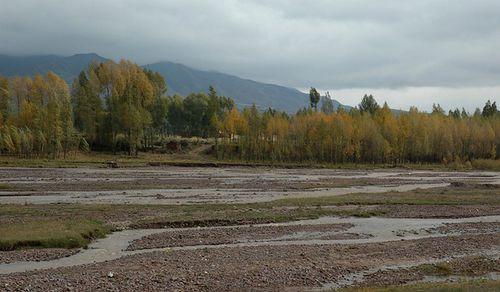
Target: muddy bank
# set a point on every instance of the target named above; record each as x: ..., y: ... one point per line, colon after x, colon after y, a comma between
x: 456, y: 269
x: 214, y: 236
x: 351, y: 229
x: 229, y: 269
x: 438, y: 211
x: 468, y: 227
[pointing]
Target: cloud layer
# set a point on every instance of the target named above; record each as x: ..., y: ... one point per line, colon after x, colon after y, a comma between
x: 342, y: 44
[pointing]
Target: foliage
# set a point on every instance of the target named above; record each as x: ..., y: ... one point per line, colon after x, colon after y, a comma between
x: 370, y: 135
x: 123, y: 107
x: 37, y: 116
x: 327, y: 106
x: 368, y: 105
x: 314, y: 98
x: 490, y: 109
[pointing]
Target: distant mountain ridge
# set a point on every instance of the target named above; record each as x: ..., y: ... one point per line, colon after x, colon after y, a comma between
x: 184, y: 80
x: 180, y: 79
x: 66, y: 67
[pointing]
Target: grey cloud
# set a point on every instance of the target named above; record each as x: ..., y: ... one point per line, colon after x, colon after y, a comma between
x: 328, y: 44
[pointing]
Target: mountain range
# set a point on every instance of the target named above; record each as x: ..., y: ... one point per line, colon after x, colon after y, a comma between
x: 180, y: 79
x: 66, y: 67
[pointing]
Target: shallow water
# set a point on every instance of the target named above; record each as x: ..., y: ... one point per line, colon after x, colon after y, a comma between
x: 392, y: 180
x: 358, y: 277
x: 455, y: 278
x: 380, y: 229
x: 182, y: 196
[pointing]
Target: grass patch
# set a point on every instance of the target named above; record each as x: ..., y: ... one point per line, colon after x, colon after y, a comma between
x: 436, y: 196
x: 222, y: 215
x: 476, y: 285
x: 176, y: 215
x: 438, y: 269
x: 473, y: 266
x: 5, y: 187
x: 70, y: 233
x: 282, y: 210
x: 100, y: 159
x: 195, y: 158
x: 466, y: 267
x: 486, y: 164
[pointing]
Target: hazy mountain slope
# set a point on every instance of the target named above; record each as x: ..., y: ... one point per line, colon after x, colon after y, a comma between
x: 66, y: 67
x: 184, y: 80
x: 180, y: 79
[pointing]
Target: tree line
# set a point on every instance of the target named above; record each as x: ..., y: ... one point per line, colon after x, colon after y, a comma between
x: 123, y: 107
x: 366, y: 134
x: 110, y: 107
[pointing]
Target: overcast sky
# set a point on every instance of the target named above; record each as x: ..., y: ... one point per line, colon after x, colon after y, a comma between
x: 405, y: 52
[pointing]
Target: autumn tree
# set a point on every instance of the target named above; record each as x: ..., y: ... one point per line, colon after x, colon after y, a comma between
x: 122, y: 107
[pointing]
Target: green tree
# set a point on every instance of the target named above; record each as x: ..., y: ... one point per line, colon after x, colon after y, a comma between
x: 88, y: 111
x: 4, y: 100
x: 327, y: 106
x: 196, y: 115
x: 158, y: 109
x: 175, y: 115
x: 368, y: 105
x: 314, y: 98
x: 437, y: 109
x: 489, y: 109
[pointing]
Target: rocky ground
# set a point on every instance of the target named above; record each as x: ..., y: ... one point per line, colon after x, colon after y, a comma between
x: 221, y: 235
x: 252, y: 229
x: 35, y: 254
x: 479, y: 267
x: 470, y: 227
x: 438, y: 211
x: 180, y: 185
x: 245, y: 268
